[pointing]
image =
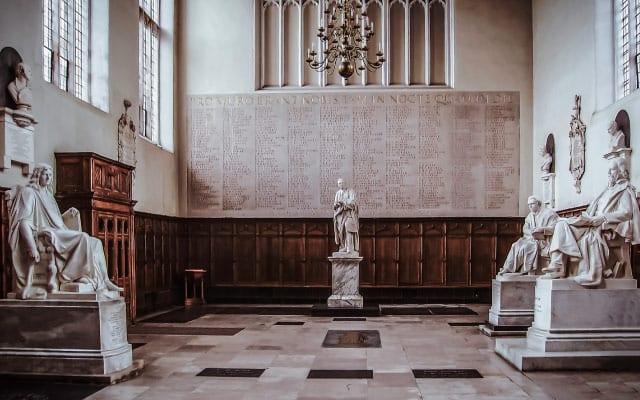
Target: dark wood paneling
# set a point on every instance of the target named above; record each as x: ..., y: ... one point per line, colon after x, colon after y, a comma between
x: 386, y: 256
x: 244, y: 253
x: 317, y: 267
x: 101, y: 189
x: 483, y: 249
x: 457, y: 254
x: 433, y: 259
x: 367, y: 265
x: 410, y: 254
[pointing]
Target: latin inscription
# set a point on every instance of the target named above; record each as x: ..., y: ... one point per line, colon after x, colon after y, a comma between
x: 406, y: 154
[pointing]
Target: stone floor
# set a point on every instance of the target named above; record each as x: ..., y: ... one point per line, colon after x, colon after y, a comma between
x: 287, y: 352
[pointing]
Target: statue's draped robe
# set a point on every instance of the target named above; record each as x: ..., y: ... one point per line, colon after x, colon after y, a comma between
x: 576, y: 238
x: 524, y: 254
x: 77, y: 255
x: 345, y: 218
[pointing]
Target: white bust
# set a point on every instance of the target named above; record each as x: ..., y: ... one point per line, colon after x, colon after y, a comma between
x: 20, y: 88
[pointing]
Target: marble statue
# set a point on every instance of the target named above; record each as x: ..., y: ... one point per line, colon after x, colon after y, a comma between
x: 612, y: 215
x: 126, y: 137
x: 345, y: 219
x: 20, y: 88
x: 547, y: 160
x: 524, y: 255
x: 34, y: 216
x: 617, y: 140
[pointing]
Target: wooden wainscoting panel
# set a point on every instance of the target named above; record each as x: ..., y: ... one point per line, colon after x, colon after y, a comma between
x: 482, y: 253
x: 457, y: 253
x: 410, y: 253
x: 386, y: 253
x: 293, y: 255
x: 269, y: 254
x: 433, y: 256
x: 317, y: 268
x: 367, y: 251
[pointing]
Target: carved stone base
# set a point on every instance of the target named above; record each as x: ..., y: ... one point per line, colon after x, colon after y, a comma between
x: 64, y: 337
x: 511, y: 311
x: 345, y: 279
x: 579, y: 328
x: 16, y: 142
x: 549, y: 189
x: 352, y: 301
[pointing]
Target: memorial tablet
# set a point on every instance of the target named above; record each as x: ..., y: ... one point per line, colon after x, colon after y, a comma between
x: 409, y: 154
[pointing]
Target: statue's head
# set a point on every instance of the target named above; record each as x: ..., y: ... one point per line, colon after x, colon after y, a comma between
x: 42, y: 175
x: 534, y: 203
x: 341, y: 183
x: 23, y: 70
x: 617, y: 171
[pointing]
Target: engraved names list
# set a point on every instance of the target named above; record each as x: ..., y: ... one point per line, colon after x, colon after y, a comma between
x: 407, y: 154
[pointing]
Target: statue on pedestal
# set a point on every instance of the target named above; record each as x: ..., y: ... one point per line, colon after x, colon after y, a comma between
x: 345, y: 219
x: 20, y: 90
x: 617, y: 140
x: 525, y: 253
x: 39, y: 233
x: 599, y: 238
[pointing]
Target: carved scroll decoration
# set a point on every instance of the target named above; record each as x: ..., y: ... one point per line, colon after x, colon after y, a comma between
x: 577, y: 145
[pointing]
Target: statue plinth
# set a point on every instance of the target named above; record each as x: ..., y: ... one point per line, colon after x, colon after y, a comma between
x: 549, y: 189
x: 16, y: 140
x: 579, y: 328
x: 345, y: 280
x: 74, y: 335
x: 511, y: 312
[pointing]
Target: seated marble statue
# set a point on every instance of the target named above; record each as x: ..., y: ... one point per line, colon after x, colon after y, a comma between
x: 613, y: 216
x: 524, y: 255
x: 345, y: 219
x: 34, y: 217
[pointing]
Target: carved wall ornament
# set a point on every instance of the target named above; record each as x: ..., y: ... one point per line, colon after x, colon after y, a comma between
x: 126, y: 137
x: 577, y: 145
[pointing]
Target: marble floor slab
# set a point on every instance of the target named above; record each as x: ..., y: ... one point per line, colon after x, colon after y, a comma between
x: 287, y: 353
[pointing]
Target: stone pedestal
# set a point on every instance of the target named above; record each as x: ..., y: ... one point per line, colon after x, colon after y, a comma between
x: 345, y: 280
x: 16, y: 142
x: 511, y: 312
x: 75, y: 337
x: 549, y: 189
x: 579, y: 328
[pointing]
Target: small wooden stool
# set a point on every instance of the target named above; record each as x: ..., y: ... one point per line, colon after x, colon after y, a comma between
x: 195, y: 277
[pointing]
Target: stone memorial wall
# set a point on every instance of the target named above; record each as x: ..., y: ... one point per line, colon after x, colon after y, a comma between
x: 406, y: 153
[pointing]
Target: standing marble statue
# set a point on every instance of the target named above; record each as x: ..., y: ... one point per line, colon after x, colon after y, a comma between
x: 34, y: 215
x: 612, y: 214
x: 524, y: 254
x: 20, y: 88
x: 345, y: 219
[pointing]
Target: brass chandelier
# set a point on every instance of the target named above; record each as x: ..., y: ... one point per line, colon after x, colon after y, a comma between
x: 345, y: 41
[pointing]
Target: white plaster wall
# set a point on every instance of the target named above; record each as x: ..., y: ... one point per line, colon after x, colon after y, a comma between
x: 493, y: 51
x: 573, y: 54
x: 67, y: 124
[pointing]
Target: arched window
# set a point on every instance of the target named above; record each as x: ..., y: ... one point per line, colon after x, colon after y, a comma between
x: 414, y: 35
